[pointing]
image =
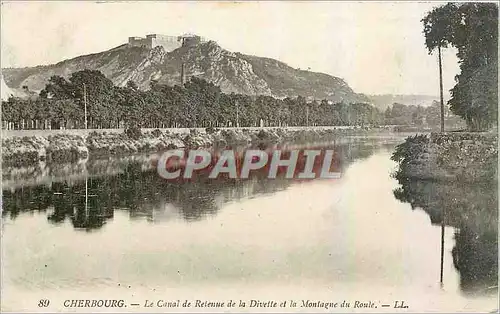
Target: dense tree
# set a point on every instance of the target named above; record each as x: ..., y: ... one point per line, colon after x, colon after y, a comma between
x: 100, y: 97
x: 399, y: 114
x: 472, y: 28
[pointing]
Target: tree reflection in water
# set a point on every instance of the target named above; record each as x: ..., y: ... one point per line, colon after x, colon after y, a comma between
x: 472, y: 209
x: 144, y: 194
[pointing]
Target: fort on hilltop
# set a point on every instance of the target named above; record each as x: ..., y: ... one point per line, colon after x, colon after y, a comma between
x: 169, y: 43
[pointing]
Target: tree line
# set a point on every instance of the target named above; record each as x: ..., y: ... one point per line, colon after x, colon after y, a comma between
x: 399, y: 114
x: 198, y: 103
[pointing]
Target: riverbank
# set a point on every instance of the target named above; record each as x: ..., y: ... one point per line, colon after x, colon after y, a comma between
x: 453, y: 178
x: 28, y: 150
x: 452, y: 156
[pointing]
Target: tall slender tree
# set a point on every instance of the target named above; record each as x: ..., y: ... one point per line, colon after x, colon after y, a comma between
x: 472, y: 28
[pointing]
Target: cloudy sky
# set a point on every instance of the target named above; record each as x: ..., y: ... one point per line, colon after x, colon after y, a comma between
x: 376, y: 47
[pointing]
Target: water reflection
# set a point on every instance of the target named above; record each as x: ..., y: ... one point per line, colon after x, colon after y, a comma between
x: 88, y: 200
x: 473, y: 211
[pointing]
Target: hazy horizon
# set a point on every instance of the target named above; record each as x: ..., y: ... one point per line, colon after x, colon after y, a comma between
x: 378, y: 48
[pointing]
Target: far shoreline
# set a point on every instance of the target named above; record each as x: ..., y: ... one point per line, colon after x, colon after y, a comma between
x: 24, y: 148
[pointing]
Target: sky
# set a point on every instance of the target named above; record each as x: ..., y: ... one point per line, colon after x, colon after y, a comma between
x: 377, y: 47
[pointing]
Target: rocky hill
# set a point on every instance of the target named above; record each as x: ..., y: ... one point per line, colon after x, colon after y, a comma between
x: 5, y: 90
x: 233, y: 72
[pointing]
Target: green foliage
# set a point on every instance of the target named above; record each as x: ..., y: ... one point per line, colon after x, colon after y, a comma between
x: 419, y: 116
x: 472, y: 28
x: 100, y: 97
x: 196, y: 104
x: 133, y: 132
x: 210, y: 130
x: 413, y: 146
x: 157, y: 133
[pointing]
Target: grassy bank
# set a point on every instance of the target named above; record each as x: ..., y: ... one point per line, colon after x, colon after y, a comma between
x: 28, y: 150
x: 460, y: 156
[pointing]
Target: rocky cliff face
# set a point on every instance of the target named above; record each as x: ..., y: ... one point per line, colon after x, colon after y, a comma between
x: 233, y: 72
x: 5, y: 90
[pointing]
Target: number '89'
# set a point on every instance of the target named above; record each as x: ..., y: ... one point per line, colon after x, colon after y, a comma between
x: 43, y: 303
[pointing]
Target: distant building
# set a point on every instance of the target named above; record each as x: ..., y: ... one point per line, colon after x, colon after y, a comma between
x: 139, y: 42
x: 191, y: 39
x: 169, y: 43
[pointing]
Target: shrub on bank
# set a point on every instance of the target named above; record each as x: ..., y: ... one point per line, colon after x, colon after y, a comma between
x: 211, y: 130
x: 411, y: 149
x: 63, y: 147
x: 157, y: 133
x: 133, y: 132
x: 232, y: 137
x: 54, y: 148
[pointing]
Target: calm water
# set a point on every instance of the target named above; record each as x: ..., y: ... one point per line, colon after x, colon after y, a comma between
x: 135, y: 237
